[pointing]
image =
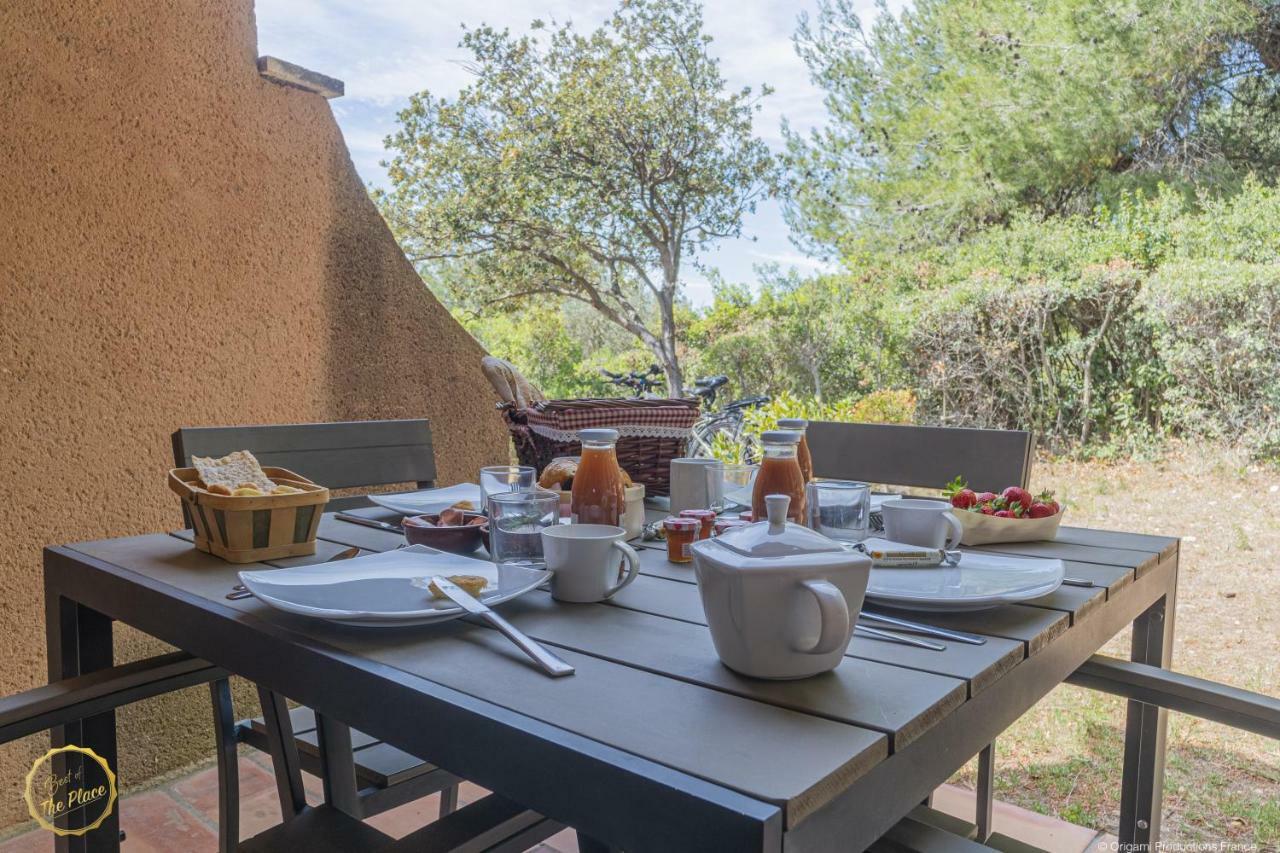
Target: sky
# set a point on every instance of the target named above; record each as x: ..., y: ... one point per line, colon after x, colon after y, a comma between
x: 386, y: 50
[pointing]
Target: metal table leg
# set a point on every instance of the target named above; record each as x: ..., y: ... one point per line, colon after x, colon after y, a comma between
x: 79, y: 641
x: 1145, y: 729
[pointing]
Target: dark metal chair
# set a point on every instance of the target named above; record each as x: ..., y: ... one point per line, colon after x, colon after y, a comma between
x: 928, y: 457
x: 921, y: 456
x: 1152, y: 690
x: 492, y: 824
x: 363, y: 776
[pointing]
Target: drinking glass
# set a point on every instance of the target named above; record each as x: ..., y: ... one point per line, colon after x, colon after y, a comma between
x: 516, y: 522
x: 729, y: 486
x: 504, y: 478
x: 840, y: 509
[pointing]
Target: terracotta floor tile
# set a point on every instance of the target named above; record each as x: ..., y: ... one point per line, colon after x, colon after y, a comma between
x: 35, y: 841
x: 469, y: 793
x: 404, y: 819
x: 258, y: 812
x: 200, y: 789
x: 155, y: 821
x: 1104, y: 843
x: 313, y: 785
x: 564, y: 841
x: 1048, y: 833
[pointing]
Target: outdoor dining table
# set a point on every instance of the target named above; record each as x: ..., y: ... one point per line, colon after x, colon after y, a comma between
x: 653, y: 744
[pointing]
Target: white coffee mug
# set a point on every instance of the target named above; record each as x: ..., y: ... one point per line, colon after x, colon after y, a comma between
x: 689, y: 484
x: 585, y: 561
x: 923, y: 523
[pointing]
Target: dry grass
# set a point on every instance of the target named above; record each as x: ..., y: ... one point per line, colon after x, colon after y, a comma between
x: 1064, y: 756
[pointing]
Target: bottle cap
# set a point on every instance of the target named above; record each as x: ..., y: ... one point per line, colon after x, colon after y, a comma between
x: 598, y: 435
x: 792, y: 423
x: 780, y: 436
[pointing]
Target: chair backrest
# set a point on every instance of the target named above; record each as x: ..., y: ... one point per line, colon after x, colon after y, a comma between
x: 349, y: 454
x: 920, y: 456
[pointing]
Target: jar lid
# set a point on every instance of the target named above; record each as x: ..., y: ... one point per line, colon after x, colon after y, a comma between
x: 674, y: 523
x: 792, y: 423
x: 697, y: 513
x: 598, y: 435
x: 776, y: 537
x: 780, y: 436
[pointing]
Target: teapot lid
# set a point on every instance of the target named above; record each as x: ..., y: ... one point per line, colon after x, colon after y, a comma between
x: 776, y: 537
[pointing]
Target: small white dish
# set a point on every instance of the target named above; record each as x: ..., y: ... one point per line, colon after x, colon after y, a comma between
x: 430, y: 501
x: 977, y: 582
x: 381, y: 589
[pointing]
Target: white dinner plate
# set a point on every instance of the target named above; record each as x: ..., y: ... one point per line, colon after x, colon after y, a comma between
x: 378, y: 589
x: 977, y: 582
x: 430, y: 501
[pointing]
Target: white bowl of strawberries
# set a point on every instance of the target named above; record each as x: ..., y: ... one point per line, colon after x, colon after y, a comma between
x: 1013, y: 515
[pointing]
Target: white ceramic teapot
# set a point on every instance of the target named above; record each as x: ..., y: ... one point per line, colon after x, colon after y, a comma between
x: 781, y: 599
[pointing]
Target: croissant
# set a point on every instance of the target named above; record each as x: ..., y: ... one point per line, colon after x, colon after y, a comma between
x: 559, y: 474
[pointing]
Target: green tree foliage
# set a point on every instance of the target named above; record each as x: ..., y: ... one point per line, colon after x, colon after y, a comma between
x: 960, y: 113
x: 793, y: 334
x: 591, y: 167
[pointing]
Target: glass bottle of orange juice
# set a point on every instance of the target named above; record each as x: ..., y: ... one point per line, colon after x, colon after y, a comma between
x: 779, y: 474
x: 598, y: 495
x: 801, y: 426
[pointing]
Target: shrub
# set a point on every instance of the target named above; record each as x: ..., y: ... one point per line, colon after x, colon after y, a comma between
x: 887, y: 406
x: 1217, y: 334
x: 1062, y: 356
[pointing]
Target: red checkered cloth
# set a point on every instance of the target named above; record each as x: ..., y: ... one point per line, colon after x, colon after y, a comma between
x: 560, y: 420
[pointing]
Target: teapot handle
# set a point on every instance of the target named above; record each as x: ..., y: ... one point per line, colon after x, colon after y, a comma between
x: 835, y: 617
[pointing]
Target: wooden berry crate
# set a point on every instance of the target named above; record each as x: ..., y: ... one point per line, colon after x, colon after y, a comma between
x: 251, y: 529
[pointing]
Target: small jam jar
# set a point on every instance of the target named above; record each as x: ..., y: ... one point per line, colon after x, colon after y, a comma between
x: 706, y: 519
x: 724, y: 525
x: 681, y: 533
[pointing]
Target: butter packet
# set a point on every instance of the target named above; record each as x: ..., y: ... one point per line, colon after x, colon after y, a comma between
x: 897, y: 555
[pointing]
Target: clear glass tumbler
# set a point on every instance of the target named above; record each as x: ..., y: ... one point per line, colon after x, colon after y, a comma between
x: 504, y: 478
x: 840, y: 509
x: 516, y: 522
x: 729, y: 486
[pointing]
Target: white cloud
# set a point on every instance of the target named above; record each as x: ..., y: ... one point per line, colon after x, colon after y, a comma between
x: 386, y: 50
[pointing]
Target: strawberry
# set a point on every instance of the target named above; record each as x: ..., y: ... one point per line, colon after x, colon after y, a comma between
x: 1014, y: 494
x: 985, y: 497
x: 1004, y: 513
x: 1046, y: 498
x: 987, y: 510
x: 1016, y: 509
x: 1039, y: 509
x: 964, y: 499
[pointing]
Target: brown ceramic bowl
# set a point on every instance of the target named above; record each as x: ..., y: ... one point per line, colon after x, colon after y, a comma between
x: 462, y: 539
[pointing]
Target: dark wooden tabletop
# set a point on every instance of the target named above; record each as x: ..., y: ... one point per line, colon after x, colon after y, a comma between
x: 651, y: 720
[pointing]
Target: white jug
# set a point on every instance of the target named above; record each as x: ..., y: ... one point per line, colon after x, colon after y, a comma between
x: 781, y: 599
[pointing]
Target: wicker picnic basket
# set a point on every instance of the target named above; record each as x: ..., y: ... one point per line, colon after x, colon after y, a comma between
x: 249, y: 529
x: 651, y: 433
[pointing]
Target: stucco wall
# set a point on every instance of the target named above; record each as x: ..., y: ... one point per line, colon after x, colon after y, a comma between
x: 181, y: 243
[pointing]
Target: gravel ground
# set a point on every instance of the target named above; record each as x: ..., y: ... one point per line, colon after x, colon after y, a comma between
x: 1064, y: 756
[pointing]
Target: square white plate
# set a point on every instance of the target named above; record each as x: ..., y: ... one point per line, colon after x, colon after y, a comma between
x: 430, y: 501
x: 378, y: 589
x: 977, y: 582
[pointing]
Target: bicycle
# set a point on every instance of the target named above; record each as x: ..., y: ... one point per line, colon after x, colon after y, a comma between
x: 643, y: 384
x: 727, y: 422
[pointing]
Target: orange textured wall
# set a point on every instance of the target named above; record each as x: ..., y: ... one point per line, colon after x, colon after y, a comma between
x: 181, y: 243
